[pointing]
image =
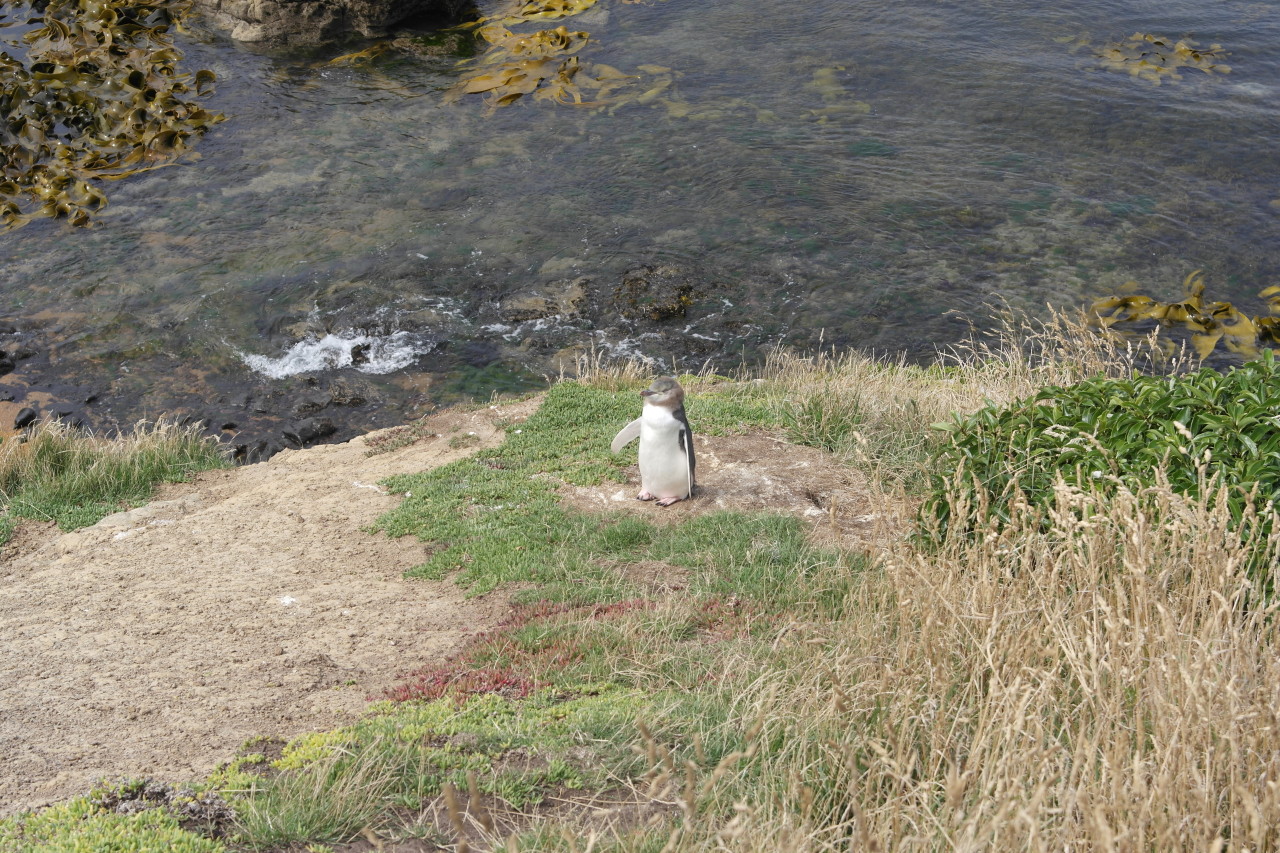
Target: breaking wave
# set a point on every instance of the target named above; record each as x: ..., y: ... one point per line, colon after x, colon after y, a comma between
x: 366, y: 353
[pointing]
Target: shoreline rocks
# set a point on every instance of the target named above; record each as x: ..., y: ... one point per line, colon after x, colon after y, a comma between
x: 674, y: 316
x: 313, y: 21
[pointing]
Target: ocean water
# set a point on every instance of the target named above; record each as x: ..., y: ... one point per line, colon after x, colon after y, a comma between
x: 860, y: 174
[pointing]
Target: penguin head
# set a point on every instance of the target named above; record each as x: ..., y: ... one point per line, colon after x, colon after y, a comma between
x: 665, y: 391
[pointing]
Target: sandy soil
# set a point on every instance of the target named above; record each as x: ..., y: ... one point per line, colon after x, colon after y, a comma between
x: 252, y: 603
x: 248, y: 603
x: 760, y: 473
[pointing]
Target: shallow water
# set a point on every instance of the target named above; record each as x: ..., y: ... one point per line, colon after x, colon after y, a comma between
x: 866, y: 174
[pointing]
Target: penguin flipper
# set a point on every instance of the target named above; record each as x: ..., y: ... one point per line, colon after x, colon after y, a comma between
x: 626, y: 435
x: 686, y: 444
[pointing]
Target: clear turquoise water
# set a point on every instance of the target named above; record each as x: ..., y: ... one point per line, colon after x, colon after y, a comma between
x: 869, y: 173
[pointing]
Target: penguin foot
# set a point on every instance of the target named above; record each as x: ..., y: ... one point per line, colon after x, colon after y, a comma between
x: 645, y: 496
x: 669, y: 501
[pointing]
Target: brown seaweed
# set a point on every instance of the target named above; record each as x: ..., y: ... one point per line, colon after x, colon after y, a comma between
x: 542, y: 63
x: 1210, y: 324
x: 99, y: 96
x: 1156, y: 58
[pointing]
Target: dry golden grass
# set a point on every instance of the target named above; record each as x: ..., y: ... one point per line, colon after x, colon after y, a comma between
x: 59, y: 473
x: 1020, y: 355
x: 52, y: 446
x: 1109, y: 681
x: 1109, y: 684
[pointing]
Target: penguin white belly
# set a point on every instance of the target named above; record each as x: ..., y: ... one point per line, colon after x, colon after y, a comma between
x: 664, y: 467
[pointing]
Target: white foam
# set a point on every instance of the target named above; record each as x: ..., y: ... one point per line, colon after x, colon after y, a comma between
x: 626, y: 348
x: 384, y: 354
x: 1257, y: 90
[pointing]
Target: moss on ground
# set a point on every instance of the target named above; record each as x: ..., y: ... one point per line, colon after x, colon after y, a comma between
x: 429, y: 743
x: 80, y: 826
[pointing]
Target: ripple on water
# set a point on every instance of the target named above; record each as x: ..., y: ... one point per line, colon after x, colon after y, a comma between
x: 854, y: 169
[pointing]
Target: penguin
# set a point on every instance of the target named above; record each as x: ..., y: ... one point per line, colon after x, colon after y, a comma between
x: 666, y: 444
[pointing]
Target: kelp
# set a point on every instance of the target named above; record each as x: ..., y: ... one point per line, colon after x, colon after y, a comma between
x: 552, y: 9
x: 523, y: 77
x: 543, y: 64
x: 543, y: 43
x: 828, y: 82
x: 1156, y: 58
x: 523, y: 59
x: 359, y: 57
x: 99, y: 95
x: 1210, y: 324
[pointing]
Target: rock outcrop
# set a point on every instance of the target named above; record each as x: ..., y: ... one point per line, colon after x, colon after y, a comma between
x: 312, y: 21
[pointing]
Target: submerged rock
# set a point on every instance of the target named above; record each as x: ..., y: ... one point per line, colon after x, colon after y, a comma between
x: 556, y: 299
x: 312, y: 21
x: 654, y: 293
x: 674, y: 313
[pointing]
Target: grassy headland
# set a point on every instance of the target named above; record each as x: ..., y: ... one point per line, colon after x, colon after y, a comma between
x: 1094, y: 674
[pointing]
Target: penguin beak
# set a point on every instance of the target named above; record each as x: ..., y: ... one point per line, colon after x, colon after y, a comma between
x: 647, y: 393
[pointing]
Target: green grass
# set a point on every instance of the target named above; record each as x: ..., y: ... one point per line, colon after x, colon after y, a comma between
x: 495, y: 517
x: 60, y: 474
x: 401, y: 756
x: 331, y: 799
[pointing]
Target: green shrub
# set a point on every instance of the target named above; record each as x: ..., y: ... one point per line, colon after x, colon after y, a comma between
x: 1193, y: 430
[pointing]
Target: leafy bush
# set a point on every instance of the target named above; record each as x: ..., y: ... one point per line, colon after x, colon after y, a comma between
x: 1194, y: 429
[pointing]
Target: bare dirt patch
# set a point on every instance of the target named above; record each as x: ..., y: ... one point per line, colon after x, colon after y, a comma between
x: 251, y: 602
x: 758, y: 473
